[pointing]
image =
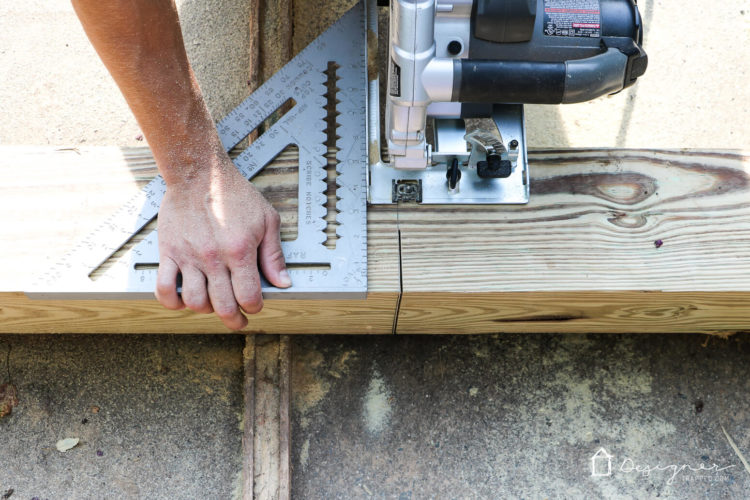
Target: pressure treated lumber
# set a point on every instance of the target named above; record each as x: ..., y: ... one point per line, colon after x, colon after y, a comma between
x: 50, y: 198
x: 581, y: 257
x: 613, y: 240
x: 717, y: 313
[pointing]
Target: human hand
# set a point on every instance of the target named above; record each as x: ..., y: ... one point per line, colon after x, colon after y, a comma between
x: 216, y: 230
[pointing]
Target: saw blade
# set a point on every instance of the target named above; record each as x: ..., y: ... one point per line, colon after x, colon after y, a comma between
x: 316, y: 271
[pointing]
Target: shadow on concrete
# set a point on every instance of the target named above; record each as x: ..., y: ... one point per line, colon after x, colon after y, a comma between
x: 647, y: 15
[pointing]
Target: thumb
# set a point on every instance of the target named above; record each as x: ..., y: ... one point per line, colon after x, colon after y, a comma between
x: 270, y: 256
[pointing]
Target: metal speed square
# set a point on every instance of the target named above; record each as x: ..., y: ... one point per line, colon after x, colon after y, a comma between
x: 316, y: 271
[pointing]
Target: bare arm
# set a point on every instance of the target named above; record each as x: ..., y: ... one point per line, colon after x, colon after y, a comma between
x: 214, y: 227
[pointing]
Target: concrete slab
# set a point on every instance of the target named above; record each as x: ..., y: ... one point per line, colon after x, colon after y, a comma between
x: 520, y: 416
x: 157, y: 416
x: 54, y: 90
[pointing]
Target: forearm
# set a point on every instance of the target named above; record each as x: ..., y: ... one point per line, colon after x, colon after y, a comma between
x: 141, y: 45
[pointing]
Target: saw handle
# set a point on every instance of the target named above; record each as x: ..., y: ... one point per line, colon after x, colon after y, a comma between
x: 527, y: 82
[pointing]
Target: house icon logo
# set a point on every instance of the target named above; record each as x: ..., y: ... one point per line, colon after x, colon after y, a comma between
x: 601, y: 463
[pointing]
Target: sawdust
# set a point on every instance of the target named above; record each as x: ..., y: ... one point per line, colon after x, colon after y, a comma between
x: 341, y: 365
x: 311, y: 381
x: 214, y: 364
x: 308, y: 387
x: 212, y: 359
x: 572, y: 410
x: 481, y: 351
x: 304, y: 454
x: 377, y: 404
x: 374, y: 152
x: 585, y: 397
x: 480, y: 345
x: 222, y: 358
x: 373, y: 68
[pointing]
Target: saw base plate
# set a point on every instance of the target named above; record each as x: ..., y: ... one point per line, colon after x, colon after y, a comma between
x: 471, y: 189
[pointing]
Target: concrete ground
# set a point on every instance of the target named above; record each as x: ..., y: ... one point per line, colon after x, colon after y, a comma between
x: 509, y: 416
x: 157, y: 417
x: 694, y: 94
x: 495, y: 416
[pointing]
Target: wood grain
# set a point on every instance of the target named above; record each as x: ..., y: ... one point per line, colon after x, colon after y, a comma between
x: 52, y: 197
x: 717, y: 313
x: 272, y: 431
x: 254, y: 69
x: 248, y: 418
x: 580, y: 257
x: 592, y: 224
x: 275, y: 36
x: 266, y: 435
x: 19, y: 314
x: 266, y: 440
x: 254, y: 45
x: 285, y: 427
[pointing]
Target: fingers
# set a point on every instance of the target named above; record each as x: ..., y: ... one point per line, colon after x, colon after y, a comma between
x: 225, y: 280
x: 270, y: 256
x: 246, y: 286
x: 166, y: 285
x: 223, y: 300
x: 215, y: 292
x: 194, y: 293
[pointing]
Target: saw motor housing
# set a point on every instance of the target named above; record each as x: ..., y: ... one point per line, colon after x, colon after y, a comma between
x: 459, y: 72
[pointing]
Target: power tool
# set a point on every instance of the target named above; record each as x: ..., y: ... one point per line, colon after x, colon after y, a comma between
x: 459, y: 72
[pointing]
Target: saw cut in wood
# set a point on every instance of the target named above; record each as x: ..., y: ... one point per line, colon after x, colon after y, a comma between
x: 108, y: 265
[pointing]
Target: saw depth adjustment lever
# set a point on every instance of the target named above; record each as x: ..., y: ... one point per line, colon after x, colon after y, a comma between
x: 494, y: 167
x: 485, y: 139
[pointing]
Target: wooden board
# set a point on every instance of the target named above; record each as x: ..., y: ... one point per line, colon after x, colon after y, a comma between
x: 717, y: 313
x: 592, y: 224
x: 52, y: 197
x: 580, y: 257
x: 19, y: 314
x: 266, y: 437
